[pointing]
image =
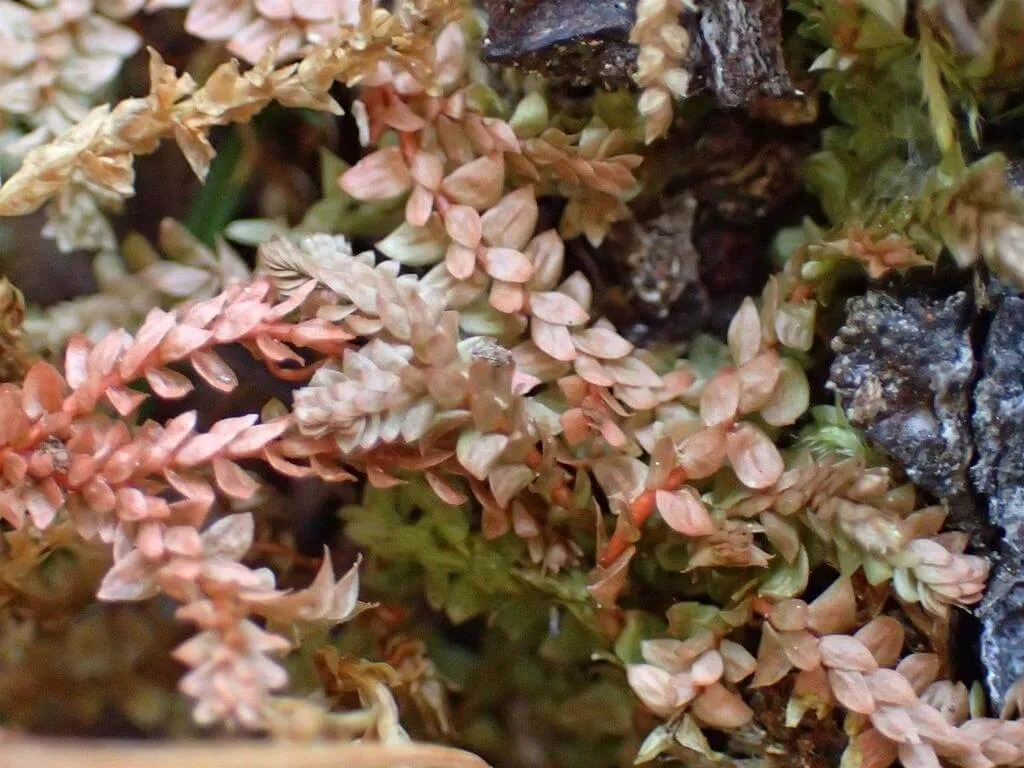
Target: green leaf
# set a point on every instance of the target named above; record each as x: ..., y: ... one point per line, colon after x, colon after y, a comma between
x: 639, y: 626
x: 686, y: 619
x: 464, y: 601
x: 786, y: 580
x: 331, y: 169
x: 254, y: 231
x: 602, y: 709
x: 416, y: 246
x: 531, y: 116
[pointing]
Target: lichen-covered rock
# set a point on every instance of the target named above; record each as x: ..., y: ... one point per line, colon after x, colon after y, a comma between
x: 904, y: 372
x: 999, y: 474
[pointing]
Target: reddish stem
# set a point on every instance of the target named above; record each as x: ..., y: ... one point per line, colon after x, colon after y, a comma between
x: 639, y: 510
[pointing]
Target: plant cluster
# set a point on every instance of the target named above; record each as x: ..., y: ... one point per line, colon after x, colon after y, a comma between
x: 665, y: 538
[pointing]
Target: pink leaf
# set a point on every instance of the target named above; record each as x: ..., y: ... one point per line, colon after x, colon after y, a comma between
x: 508, y: 298
x: 575, y: 426
x: 851, y: 691
x: 463, y: 225
x: 477, y: 184
x: 214, y: 370
x: 175, y: 431
x: 918, y: 756
x: 229, y: 538
x: 131, y: 504
x: 40, y: 508
x: 684, y: 512
x: 158, y: 324
x: 508, y: 480
x: 883, y: 636
x: 654, y: 687
x: 104, y: 355
x: 835, y: 609
x: 76, y: 361
x: 125, y: 400
x: 460, y: 261
x: 419, y: 206
x: 277, y: 351
x: 720, y: 399
x: 511, y: 222
x: 177, y: 280
x: 547, y: 254
x: 507, y: 264
x: 378, y: 478
x: 233, y: 480
x: 632, y: 372
x: 502, y: 134
x: 168, y: 384
x: 758, y: 378
x: 708, y: 668
x: 234, y: 426
x: 555, y: 307
x: 42, y: 391
x: 378, y: 176
x: 801, y: 648
x: 256, y: 437
x: 427, y: 169
x: 182, y: 341
x: 445, y: 490
x: 845, y: 652
x: 449, y: 54
x: 721, y: 708
x: 745, y: 333
x: 554, y: 340
x: 890, y: 687
x: 200, y: 449
x: 400, y: 116
x: 238, y: 320
x: 737, y: 661
x: 479, y: 453
x: 592, y: 371
x: 285, y: 467
x: 875, y: 750
x: 602, y: 343
x: 296, y: 299
x: 189, y: 484
x: 131, y: 578
x: 754, y: 457
x: 894, y: 723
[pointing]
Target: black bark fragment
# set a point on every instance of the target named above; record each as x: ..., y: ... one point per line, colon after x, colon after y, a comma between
x: 904, y: 373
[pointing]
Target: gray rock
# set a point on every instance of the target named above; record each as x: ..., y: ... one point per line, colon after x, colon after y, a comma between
x: 999, y: 474
x: 904, y: 372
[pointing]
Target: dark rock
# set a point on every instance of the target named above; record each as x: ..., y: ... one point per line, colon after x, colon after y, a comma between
x: 739, y: 55
x: 572, y: 42
x: 735, y: 51
x: 999, y: 474
x: 904, y: 372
